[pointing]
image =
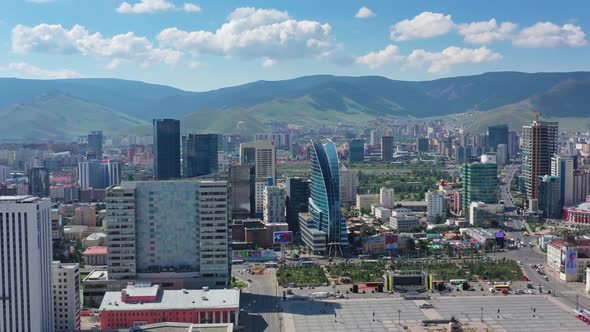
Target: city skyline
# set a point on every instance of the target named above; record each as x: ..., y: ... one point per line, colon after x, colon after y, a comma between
x: 203, y: 45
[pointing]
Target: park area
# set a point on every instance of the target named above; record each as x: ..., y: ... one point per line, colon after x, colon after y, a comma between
x: 358, y: 273
x: 302, y: 275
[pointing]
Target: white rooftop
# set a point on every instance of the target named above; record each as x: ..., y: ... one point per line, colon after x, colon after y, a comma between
x: 19, y: 198
x: 177, y: 299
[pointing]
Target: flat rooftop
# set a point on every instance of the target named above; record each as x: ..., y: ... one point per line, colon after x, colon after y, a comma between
x: 95, y: 251
x: 20, y: 199
x: 177, y: 299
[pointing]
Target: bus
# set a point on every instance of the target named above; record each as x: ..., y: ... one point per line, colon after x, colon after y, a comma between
x: 500, y: 287
x: 457, y: 281
x: 270, y: 264
x: 237, y: 261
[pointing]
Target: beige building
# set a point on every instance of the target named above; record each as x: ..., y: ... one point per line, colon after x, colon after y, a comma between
x: 85, y: 215
x: 364, y: 202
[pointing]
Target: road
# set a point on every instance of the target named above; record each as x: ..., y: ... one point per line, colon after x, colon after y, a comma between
x: 260, y: 300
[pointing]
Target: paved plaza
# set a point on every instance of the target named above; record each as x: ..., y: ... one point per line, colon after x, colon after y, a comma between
x: 516, y: 314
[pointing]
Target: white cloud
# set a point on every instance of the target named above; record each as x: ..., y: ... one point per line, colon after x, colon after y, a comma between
x: 389, y: 54
x: 145, y: 6
x: 195, y: 65
x: 40, y: 1
x: 547, y: 34
x: 424, y: 25
x: 27, y: 70
x: 486, y: 32
x: 191, y: 8
x: 364, y: 12
x: 254, y: 33
x: 268, y: 62
x: 440, y: 62
x: 55, y: 39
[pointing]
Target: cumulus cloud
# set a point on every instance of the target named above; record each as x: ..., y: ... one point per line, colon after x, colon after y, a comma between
x: 486, y: 32
x: 268, y: 62
x: 154, y: 6
x: 254, y: 33
x: 424, y: 25
x: 27, y: 70
x: 191, y: 8
x: 364, y: 12
x: 388, y: 55
x: 195, y: 65
x: 55, y: 39
x: 440, y: 62
x: 547, y: 34
x: 145, y: 6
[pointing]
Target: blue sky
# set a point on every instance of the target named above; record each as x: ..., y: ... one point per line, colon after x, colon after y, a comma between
x: 201, y: 44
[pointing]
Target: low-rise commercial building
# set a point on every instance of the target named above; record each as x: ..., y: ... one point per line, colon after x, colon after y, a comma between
x: 315, y: 239
x: 96, y: 255
x: 142, y: 304
x: 66, y: 296
x: 364, y: 201
x: 569, y: 257
x: 403, y: 220
x: 485, y: 215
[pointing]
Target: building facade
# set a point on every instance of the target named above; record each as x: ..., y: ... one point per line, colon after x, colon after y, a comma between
x: 563, y: 167
x: 436, y: 207
x: 274, y: 205
x: 386, y: 197
x: 387, y: 148
x: 25, y: 264
x: 199, y: 154
x: 242, y: 181
x: 550, y: 196
x: 356, y: 151
x: 38, y: 182
x: 480, y: 184
x: 66, y: 296
x: 539, y: 144
x: 297, y: 191
x: 176, y: 227
x: 261, y: 154
x: 166, y: 149
x: 94, y: 150
x: 349, y: 182
x: 324, y: 200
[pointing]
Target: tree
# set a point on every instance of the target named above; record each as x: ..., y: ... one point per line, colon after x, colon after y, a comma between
x: 410, y: 245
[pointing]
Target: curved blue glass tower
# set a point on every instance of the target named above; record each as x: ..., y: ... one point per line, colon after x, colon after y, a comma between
x: 324, y: 200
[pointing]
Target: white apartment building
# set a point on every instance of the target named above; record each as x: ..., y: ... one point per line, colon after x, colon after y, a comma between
x: 349, y: 182
x: 66, y: 296
x: 364, y: 201
x: 261, y: 154
x: 179, y: 228
x: 435, y: 205
x: 25, y: 264
x: 274, y: 205
x: 386, y: 197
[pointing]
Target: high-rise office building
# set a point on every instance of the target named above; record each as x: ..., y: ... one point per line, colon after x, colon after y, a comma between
x: 179, y: 227
x: 549, y: 196
x: 39, y: 182
x: 242, y: 191
x: 261, y: 154
x: 66, y: 296
x: 199, y: 154
x: 513, y: 143
x: 324, y: 200
x: 497, y: 134
x: 539, y: 144
x: 166, y: 149
x: 25, y: 264
x: 563, y: 168
x: 297, y: 191
x: 387, y: 148
x: 480, y: 184
x: 4, y: 173
x: 349, y: 183
x: 422, y: 144
x: 274, y: 204
x: 94, y: 150
x: 94, y: 174
x: 356, y: 151
x: 502, y: 155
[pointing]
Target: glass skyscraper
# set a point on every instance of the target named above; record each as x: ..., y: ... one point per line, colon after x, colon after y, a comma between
x: 324, y: 201
x: 199, y: 154
x: 166, y: 149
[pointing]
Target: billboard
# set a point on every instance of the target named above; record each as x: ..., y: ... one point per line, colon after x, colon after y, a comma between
x: 571, y: 262
x: 391, y: 242
x: 284, y: 237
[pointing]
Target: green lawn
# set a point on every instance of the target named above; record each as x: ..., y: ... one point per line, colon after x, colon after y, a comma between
x: 358, y: 273
x: 311, y: 275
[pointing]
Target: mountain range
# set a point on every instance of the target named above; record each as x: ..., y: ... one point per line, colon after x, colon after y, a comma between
x: 54, y: 109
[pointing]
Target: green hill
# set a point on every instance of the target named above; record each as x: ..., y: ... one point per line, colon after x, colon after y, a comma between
x: 59, y: 117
